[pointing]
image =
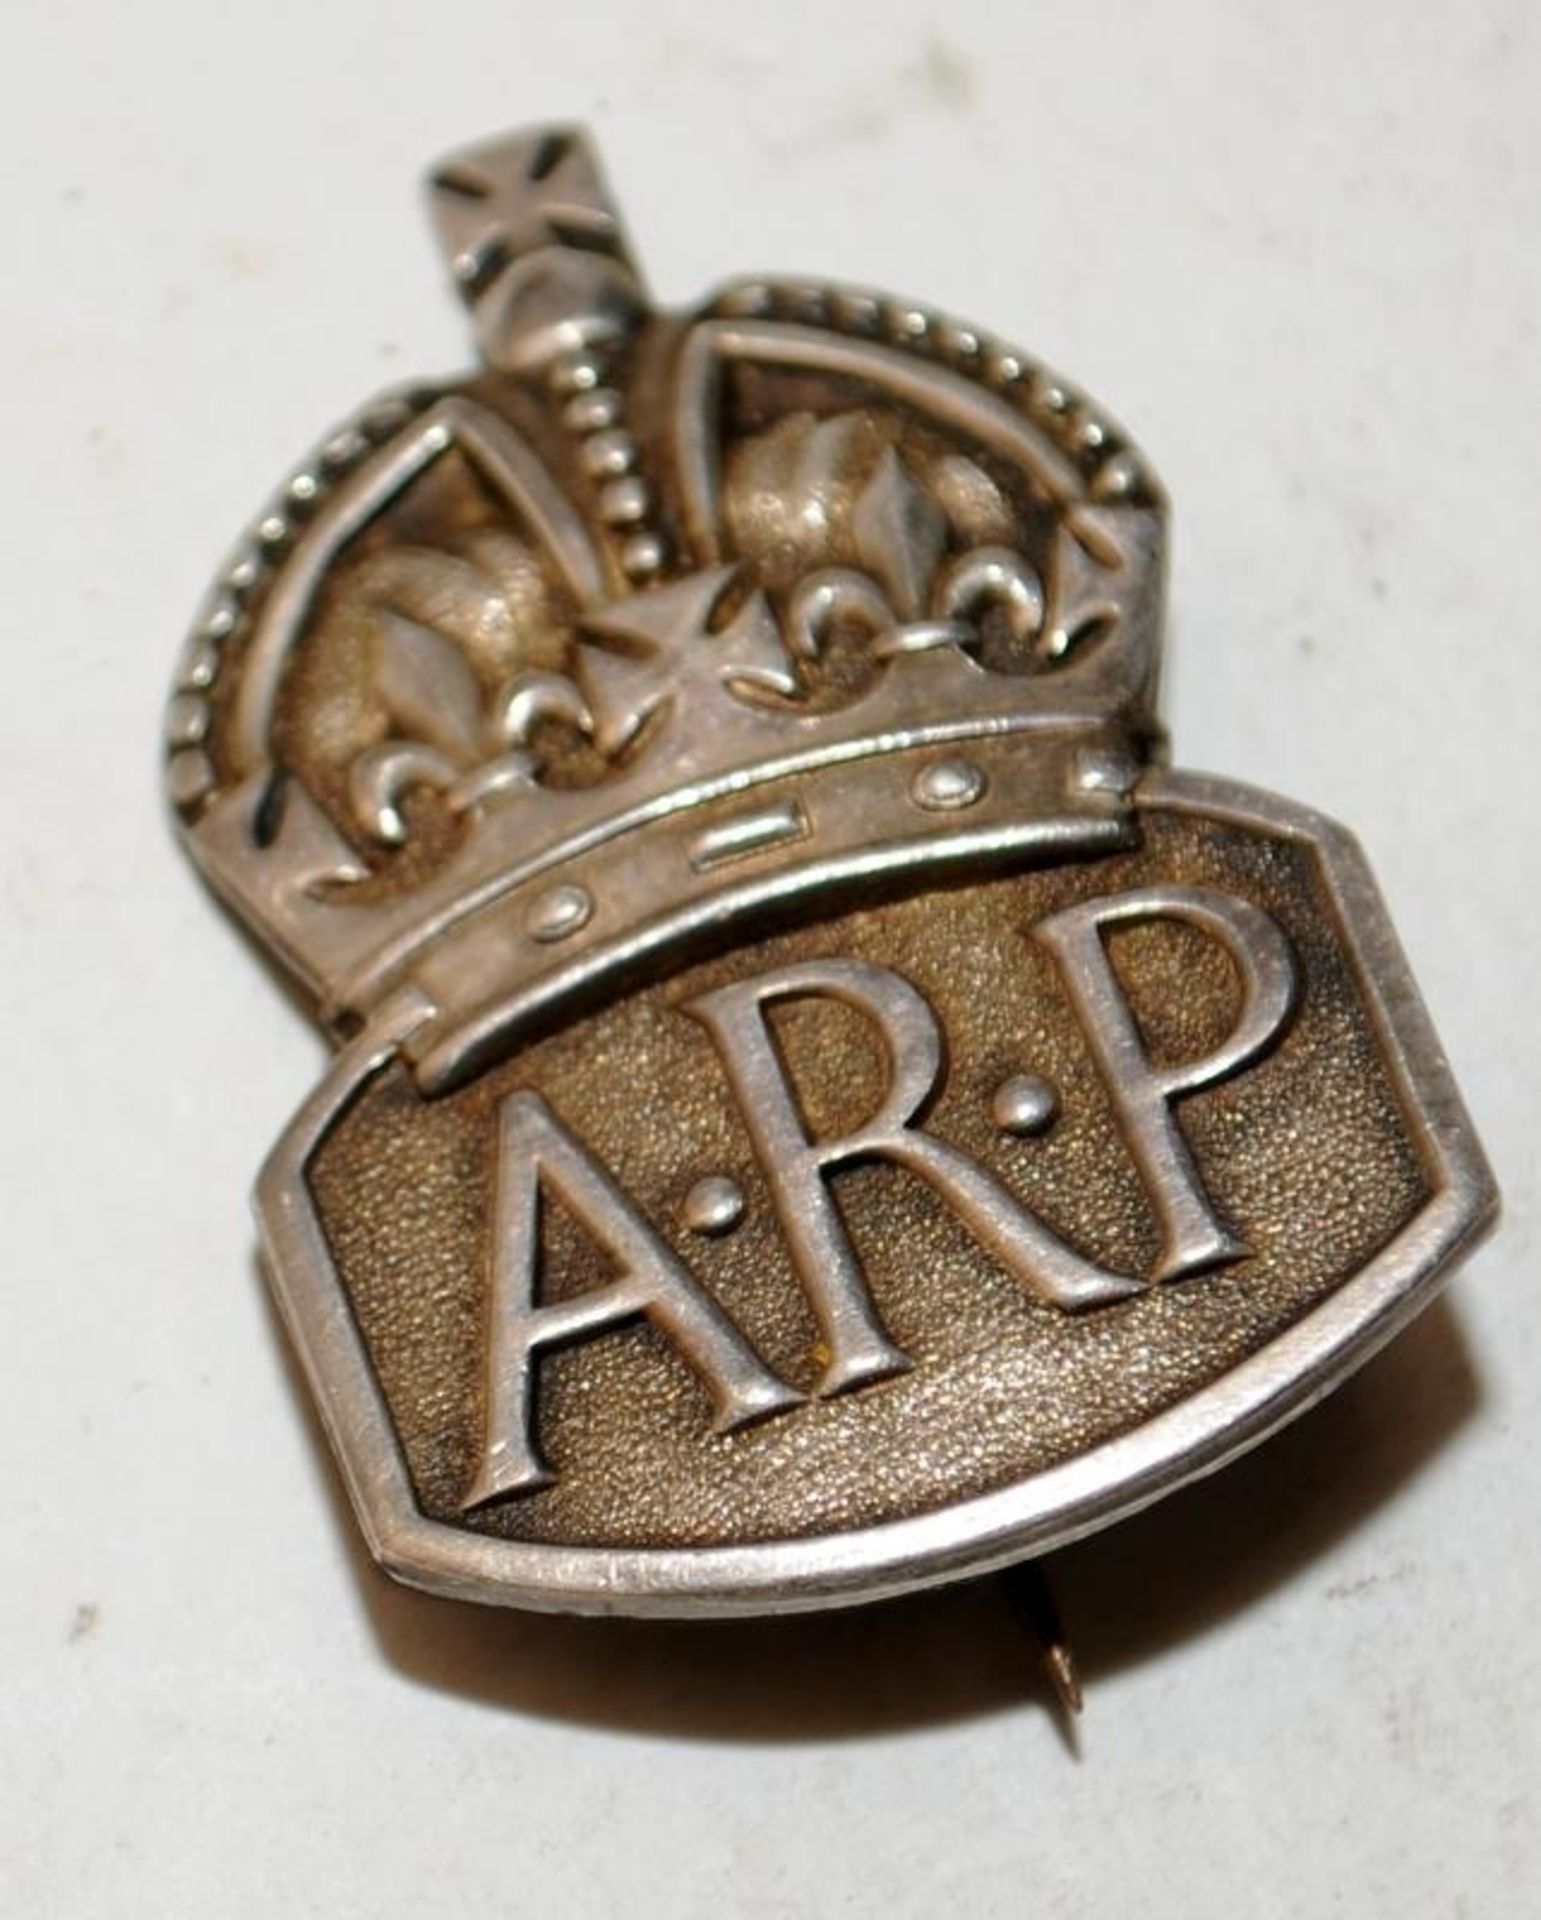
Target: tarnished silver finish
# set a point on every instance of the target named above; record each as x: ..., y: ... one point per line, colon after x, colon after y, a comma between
x: 821, y: 1111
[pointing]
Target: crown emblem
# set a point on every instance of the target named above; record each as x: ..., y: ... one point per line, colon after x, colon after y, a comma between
x: 506, y: 641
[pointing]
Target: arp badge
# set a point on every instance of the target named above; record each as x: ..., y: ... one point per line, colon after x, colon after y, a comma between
x: 821, y: 1110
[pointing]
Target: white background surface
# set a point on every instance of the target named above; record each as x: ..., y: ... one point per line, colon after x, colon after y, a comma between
x: 1298, y: 249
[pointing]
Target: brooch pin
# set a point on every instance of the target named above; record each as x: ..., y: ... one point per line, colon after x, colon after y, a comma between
x: 821, y: 1108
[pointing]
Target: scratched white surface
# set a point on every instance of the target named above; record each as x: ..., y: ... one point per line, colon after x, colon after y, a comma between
x: 1299, y: 249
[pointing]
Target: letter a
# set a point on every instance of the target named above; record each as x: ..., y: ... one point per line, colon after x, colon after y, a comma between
x: 537, y: 1154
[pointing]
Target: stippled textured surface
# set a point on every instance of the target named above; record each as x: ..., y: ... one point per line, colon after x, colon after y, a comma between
x: 1305, y: 1155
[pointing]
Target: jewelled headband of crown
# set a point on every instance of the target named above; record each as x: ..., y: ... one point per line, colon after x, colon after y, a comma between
x: 522, y: 675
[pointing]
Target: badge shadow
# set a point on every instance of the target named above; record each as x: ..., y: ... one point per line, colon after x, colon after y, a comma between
x: 1164, y: 1577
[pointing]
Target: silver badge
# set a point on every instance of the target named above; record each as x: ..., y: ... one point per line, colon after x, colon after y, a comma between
x: 821, y: 1107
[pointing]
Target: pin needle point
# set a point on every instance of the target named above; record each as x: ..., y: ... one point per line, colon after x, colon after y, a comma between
x: 1059, y: 1663
x: 1036, y: 1608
